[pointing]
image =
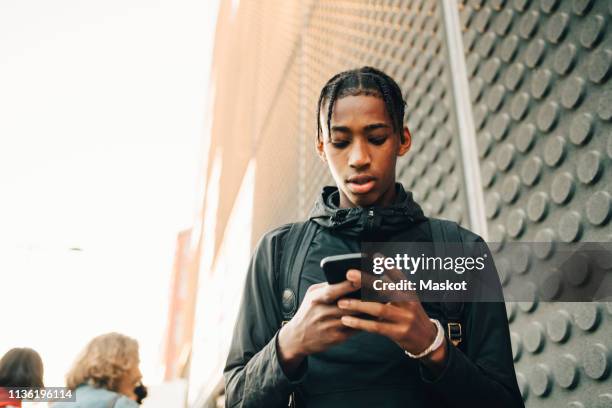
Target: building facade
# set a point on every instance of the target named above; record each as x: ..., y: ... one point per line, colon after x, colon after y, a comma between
x: 509, y: 104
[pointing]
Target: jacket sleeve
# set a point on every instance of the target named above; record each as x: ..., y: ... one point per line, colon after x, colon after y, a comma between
x: 253, y: 375
x: 481, y: 374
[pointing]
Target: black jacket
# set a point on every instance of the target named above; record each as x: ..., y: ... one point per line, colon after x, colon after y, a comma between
x: 367, y: 370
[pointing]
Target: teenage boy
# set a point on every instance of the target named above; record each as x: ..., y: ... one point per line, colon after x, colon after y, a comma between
x: 328, y: 354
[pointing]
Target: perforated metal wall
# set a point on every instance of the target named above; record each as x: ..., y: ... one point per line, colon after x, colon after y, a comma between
x: 538, y: 74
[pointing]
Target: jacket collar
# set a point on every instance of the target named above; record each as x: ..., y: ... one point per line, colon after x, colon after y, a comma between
x: 366, y: 220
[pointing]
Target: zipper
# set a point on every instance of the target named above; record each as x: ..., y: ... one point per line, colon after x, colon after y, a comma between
x: 370, y: 221
x: 338, y: 217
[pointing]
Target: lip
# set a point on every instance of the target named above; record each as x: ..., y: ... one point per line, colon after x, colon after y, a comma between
x: 361, y: 184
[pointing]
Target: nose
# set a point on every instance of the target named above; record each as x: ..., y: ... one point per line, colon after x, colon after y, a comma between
x: 359, y: 155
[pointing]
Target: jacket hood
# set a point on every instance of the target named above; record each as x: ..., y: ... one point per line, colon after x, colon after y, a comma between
x: 366, y: 221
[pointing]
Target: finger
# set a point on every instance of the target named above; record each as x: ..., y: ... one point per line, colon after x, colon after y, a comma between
x: 394, y: 275
x: 354, y: 275
x: 331, y: 293
x: 340, y: 333
x: 333, y: 312
x: 409, y: 304
x: 372, y: 326
x: 379, y: 310
x: 316, y: 286
x: 335, y: 325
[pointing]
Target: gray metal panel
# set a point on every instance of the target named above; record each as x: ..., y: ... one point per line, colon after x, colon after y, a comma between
x: 541, y: 99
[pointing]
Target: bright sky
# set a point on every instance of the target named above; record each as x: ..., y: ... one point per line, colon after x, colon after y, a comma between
x: 102, y: 123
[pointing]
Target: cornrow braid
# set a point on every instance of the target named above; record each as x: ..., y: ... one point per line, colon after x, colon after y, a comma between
x: 386, y: 95
x: 362, y: 81
x: 322, y: 96
x: 332, y: 100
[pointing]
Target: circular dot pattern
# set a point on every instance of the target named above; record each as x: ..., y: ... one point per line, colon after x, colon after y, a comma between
x: 558, y: 327
x: 562, y: 188
x: 485, y: 142
x: 510, y: 189
x: 530, y: 171
x: 509, y: 48
x: 554, y: 151
x: 535, y: 52
x: 514, y: 76
x: 580, y: 7
x: 598, y: 208
x: 516, y: 223
x: 500, y: 126
x: 525, y: 137
x: 570, y: 227
x: 587, y: 316
x: 589, y: 167
x: 581, y: 129
x: 505, y: 157
x: 520, y: 103
x: 592, y: 30
x: 565, y: 58
x: 529, y: 24
x: 604, y: 106
x: 599, y: 65
x: 488, y: 173
x: 545, y: 243
x: 540, y: 380
x: 540, y: 83
x: 534, y: 338
x: 492, y: 205
x: 556, y: 28
x: 496, y: 97
x: 549, y: 6
x: 576, y: 271
x: 547, y: 116
x: 573, y: 92
x: 566, y: 371
x: 537, y: 206
x: 596, y: 361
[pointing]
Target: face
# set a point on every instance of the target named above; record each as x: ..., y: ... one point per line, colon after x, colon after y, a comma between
x: 129, y: 381
x: 361, y: 150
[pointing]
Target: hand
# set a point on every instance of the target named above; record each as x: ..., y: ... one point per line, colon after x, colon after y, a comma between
x: 316, y: 325
x: 405, y: 322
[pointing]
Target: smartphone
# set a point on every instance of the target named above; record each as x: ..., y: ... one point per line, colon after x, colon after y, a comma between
x: 336, y: 266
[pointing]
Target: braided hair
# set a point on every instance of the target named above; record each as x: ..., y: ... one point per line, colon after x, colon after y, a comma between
x: 363, y: 81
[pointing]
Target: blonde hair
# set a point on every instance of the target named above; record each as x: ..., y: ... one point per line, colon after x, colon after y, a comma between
x: 104, y: 362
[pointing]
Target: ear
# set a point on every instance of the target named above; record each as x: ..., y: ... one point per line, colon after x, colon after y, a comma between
x: 320, y: 150
x: 405, y: 145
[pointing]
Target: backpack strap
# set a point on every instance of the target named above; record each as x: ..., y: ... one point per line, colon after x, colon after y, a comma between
x: 296, y: 244
x: 289, y: 257
x: 443, y: 231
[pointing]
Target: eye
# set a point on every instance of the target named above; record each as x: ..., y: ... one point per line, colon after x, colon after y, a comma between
x: 339, y: 144
x: 378, y: 140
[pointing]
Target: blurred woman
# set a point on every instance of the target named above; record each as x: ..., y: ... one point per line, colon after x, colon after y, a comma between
x: 20, y: 367
x: 105, y: 374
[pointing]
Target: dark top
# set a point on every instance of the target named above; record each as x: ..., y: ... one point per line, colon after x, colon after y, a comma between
x: 367, y: 370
